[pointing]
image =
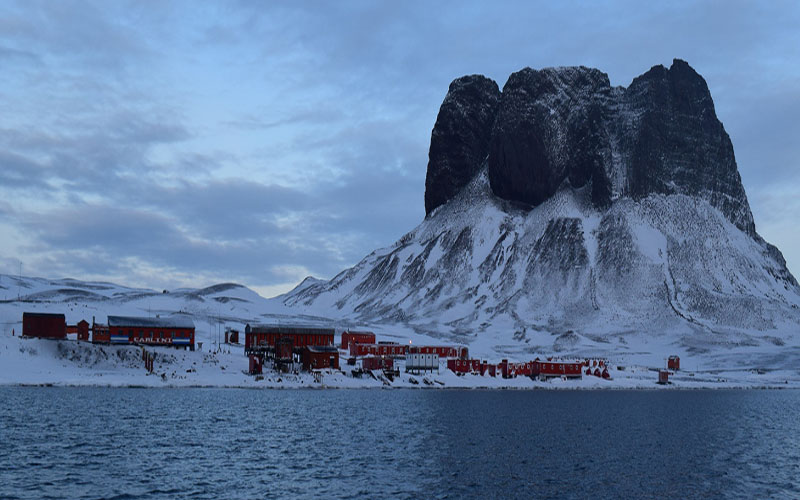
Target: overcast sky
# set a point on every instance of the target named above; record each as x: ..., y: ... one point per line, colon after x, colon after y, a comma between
x: 169, y: 144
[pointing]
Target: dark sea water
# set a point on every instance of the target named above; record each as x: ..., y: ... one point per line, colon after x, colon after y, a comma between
x: 199, y: 443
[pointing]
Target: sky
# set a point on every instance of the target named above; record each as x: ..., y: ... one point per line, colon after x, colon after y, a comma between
x: 181, y: 144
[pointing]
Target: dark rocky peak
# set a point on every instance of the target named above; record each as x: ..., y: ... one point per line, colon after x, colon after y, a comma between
x: 679, y: 146
x: 559, y: 127
x: 551, y: 127
x: 460, y: 138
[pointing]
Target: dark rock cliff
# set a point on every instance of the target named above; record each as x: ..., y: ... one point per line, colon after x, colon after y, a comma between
x: 560, y: 127
x: 679, y: 145
x: 460, y: 138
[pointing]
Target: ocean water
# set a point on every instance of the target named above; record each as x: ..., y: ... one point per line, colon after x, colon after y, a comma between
x: 208, y: 443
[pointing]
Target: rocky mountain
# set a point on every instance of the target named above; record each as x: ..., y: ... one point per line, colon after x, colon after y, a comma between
x: 563, y: 209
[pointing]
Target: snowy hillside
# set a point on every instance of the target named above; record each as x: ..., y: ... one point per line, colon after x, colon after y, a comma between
x: 211, y: 308
x: 564, y: 214
x: 565, y: 274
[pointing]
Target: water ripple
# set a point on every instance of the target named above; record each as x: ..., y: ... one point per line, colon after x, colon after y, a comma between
x: 207, y: 443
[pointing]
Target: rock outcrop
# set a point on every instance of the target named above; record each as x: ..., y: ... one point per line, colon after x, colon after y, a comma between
x: 678, y: 145
x: 552, y: 127
x: 460, y: 138
x: 568, y: 127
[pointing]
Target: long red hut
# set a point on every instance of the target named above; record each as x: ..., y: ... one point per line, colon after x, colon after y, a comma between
x: 263, y: 339
x: 44, y: 325
x: 552, y: 369
x: 177, y: 331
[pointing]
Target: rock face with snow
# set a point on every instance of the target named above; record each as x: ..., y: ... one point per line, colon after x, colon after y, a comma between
x: 565, y: 207
x: 460, y: 138
x: 659, y: 135
x: 553, y: 126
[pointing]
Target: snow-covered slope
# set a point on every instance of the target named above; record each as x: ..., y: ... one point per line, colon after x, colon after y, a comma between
x: 563, y: 214
x: 211, y: 308
x: 664, y: 266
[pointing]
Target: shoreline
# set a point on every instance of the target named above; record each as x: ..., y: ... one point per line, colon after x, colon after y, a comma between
x: 767, y: 387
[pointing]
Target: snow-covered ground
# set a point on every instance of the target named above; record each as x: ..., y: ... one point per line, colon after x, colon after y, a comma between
x: 72, y: 363
x: 634, y: 357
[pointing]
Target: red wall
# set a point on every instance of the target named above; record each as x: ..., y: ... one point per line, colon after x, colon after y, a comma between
x: 299, y: 340
x: 48, y: 327
x: 319, y: 360
x: 376, y: 363
x: 154, y: 335
x: 100, y: 334
x: 464, y: 365
x: 556, y: 368
x: 357, y: 337
x: 443, y: 351
x: 377, y: 349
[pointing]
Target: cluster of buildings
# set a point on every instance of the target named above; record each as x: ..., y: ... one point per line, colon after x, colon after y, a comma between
x: 177, y: 331
x: 537, y: 368
x: 312, y: 348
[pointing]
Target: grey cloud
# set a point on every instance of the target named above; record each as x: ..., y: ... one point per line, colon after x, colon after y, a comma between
x: 339, y: 105
x: 19, y: 172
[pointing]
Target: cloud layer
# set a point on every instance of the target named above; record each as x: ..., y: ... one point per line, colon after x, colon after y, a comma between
x: 183, y: 143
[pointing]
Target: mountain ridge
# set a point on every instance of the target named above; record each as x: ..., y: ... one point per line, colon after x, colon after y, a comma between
x: 591, y: 212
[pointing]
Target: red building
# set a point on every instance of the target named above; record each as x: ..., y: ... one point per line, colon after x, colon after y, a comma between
x: 663, y: 377
x: 377, y: 363
x: 349, y: 337
x: 461, y: 366
x: 177, y: 331
x: 83, y: 330
x: 674, y: 363
x: 100, y: 334
x: 320, y: 357
x: 511, y: 370
x: 382, y: 349
x: 552, y: 369
x: 444, y: 351
x: 263, y: 339
x: 44, y: 325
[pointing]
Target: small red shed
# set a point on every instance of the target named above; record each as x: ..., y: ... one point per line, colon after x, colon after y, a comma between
x: 255, y: 365
x: 663, y: 377
x: 83, y: 330
x: 100, y: 333
x: 320, y: 357
x: 674, y: 363
x: 44, y: 325
x: 377, y: 363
